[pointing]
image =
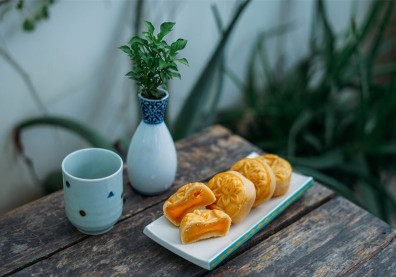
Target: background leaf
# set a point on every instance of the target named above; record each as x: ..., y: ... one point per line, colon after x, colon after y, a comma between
x: 188, y: 118
x: 82, y: 130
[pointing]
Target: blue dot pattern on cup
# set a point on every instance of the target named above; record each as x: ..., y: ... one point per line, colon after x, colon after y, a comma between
x: 122, y: 195
x: 67, y: 184
x: 111, y: 194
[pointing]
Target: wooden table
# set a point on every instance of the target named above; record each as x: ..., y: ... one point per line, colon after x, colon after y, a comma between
x: 320, y: 234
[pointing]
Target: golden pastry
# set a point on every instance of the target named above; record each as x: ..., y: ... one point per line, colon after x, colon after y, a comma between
x: 188, y: 198
x: 203, y: 224
x: 234, y: 193
x: 282, y: 170
x: 261, y: 176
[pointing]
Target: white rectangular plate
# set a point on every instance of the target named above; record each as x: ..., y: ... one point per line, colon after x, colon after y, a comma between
x: 210, y: 252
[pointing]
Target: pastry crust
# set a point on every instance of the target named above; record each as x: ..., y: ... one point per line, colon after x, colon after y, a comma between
x: 261, y: 175
x: 234, y: 193
x: 203, y: 224
x: 188, y: 198
x: 282, y: 170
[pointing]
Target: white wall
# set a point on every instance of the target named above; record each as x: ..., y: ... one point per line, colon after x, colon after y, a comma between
x: 73, y: 62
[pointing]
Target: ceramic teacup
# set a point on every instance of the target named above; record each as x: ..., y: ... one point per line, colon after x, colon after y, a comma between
x: 92, y: 185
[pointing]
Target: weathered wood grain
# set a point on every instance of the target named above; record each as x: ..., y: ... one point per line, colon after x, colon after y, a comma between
x: 381, y: 264
x: 126, y: 250
x: 41, y: 228
x: 329, y: 241
x: 317, y: 235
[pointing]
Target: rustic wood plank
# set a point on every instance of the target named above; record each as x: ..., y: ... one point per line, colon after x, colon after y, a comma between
x: 381, y: 264
x: 40, y: 228
x: 126, y: 250
x: 326, y: 242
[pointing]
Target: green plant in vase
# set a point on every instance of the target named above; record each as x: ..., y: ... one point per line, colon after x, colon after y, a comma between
x: 152, y: 158
x: 154, y: 61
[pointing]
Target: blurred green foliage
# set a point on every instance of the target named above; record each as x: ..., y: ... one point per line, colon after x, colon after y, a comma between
x: 201, y: 103
x: 333, y: 114
x: 32, y: 17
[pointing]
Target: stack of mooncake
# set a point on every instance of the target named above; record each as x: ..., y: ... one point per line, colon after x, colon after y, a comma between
x: 228, y: 197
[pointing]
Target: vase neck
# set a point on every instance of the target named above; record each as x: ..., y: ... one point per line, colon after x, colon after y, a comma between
x: 153, y: 110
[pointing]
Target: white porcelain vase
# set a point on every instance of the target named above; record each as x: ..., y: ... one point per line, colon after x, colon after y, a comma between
x: 152, y: 158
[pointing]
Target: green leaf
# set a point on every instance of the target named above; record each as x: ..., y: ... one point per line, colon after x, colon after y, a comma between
x: 126, y: 49
x: 183, y: 61
x: 149, y: 26
x: 370, y: 196
x: 162, y: 64
x: 210, y: 114
x: 328, y: 32
x: 301, y: 122
x: 381, y: 30
x: 262, y: 52
x: 44, y: 12
x: 132, y: 75
x: 28, y: 25
x: 387, y: 46
x: 330, y: 126
x: 165, y: 29
x: 370, y: 19
x: 163, y: 77
x: 178, y: 45
x: 137, y: 40
x: 175, y: 74
x: 148, y: 36
x: 189, y: 117
x: 20, y: 5
x: 53, y: 182
x: 325, y: 160
x: 330, y: 182
x: 312, y: 140
x: 234, y: 78
x: 217, y: 17
x: 382, y: 69
x: 84, y: 131
x: 172, y: 66
x: 385, y: 149
x: 122, y: 145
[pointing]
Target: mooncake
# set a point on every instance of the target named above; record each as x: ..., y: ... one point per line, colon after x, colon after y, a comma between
x: 261, y: 176
x: 234, y: 193
x: 203, y: 224
x: 188, y: 198
x: 282, y: 170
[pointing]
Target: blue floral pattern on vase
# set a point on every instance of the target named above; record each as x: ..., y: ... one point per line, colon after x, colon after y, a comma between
x: 153, y: 110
